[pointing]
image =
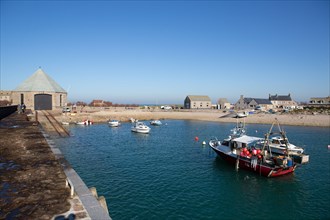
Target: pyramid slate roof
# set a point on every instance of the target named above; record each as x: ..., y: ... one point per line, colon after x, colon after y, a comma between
x: 40, y: 82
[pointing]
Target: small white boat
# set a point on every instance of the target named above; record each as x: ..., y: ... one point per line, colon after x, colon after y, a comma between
x: 280, y: 146
x: 140, y: 127
x: 114, y: 123
x: 86, y: 122
x: 155, y: 122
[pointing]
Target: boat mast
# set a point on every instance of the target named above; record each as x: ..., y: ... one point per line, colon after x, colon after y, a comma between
x: 283, y: 135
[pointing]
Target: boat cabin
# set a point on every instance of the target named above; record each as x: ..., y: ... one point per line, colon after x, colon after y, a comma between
x: 245, y: 141
x: 278, y: 140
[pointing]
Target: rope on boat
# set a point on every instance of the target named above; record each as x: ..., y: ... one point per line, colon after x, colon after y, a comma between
x: 237, y: 163
x: 254, y: 162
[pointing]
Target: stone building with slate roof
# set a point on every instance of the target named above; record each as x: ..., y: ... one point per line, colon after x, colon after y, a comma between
x: 39, y: 92
x: 282, y: 101
x: 252, y: 103
x: 320, y: 101
x: 197, y: 102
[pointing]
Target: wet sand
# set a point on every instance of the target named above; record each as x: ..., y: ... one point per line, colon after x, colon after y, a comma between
x: 322, y: 120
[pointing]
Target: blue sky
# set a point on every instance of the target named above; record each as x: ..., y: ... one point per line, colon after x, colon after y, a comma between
x: 158, y: 52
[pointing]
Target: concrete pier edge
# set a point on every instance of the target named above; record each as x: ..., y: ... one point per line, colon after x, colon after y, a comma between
x: 90, y: 203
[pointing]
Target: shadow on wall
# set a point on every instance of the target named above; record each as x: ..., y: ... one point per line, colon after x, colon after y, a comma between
x: 7, y: 110
x: 62, y: 217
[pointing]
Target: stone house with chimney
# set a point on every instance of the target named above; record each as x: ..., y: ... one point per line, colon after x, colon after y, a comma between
x: 282, y: 101
x: 252, y: 103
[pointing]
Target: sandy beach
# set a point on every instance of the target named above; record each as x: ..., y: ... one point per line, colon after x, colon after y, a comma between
x: 322, y: 120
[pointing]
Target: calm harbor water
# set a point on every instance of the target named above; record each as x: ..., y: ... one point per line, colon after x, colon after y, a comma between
x: 168, y: 175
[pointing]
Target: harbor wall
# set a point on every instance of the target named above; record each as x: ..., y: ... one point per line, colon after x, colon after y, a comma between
x: 33, y: 160
x: 7, y: 110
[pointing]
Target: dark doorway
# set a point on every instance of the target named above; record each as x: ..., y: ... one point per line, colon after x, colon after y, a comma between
x: 42, y: 102
x: 22, y: 99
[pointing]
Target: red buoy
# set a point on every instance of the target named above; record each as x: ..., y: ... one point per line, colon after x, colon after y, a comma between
x: 196, y: 138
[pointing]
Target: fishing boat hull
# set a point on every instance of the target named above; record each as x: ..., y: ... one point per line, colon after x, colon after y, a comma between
x: 247, y: 164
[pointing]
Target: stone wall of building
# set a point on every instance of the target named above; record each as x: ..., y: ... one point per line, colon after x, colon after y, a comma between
x: 58, y: 99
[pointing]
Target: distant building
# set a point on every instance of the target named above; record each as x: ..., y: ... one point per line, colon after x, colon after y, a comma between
x: 282, y: 101
x: 320, y: 101
x: 261, y: 104
x: 5, y: 97
x: 252, y: 103
x: 39, y: 92
x: 223, y: 104
x: 97, y: 103
x: 197, y: 102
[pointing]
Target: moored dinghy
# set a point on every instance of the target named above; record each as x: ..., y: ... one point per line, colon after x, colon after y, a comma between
x: 155, y: 122
x: 85, y: 122
x: 114, y: 123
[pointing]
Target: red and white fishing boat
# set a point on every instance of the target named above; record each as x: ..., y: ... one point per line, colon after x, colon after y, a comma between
x: 253, y: 154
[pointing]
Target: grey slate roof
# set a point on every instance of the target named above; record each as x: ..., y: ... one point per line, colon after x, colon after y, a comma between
x: 247, y: 100
x: 280, y: 97
x: 199, y: 98
x: 39, y: 82
x: 263, y: 101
